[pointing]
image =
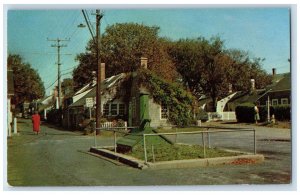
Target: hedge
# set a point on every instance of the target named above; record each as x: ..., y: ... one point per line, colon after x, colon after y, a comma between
x: 282, y: 112
x: 245, y: 112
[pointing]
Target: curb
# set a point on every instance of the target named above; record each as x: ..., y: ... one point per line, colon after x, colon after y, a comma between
x: 136, y: 163
x: 191, y: 163
x: 125, y: 159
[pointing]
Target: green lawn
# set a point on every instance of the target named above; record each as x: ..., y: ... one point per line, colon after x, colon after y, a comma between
x: 163, y: 151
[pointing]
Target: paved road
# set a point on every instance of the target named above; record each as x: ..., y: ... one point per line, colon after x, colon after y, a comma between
x: 58, y: 158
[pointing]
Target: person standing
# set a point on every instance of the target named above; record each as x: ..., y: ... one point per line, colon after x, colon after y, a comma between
x: 36, y: 121
x: 256, y: 114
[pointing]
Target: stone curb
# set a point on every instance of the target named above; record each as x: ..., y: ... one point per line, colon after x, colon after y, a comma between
x: 128, y: 160
x: 131, y: 161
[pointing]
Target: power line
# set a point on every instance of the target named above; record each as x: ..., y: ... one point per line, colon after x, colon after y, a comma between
x: 70, y: 22
x: 39, y: 53
x: 51, y: 84
x: 71, y: 25
x: 89, y: 25
x: 67, y: 73
x: 67, y: 69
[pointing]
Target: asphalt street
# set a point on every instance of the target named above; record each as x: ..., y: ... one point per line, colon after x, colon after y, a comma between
x: 57, y: 157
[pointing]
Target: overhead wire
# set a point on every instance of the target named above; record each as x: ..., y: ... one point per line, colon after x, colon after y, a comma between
x: 91, y: 22
x: 51, y: 84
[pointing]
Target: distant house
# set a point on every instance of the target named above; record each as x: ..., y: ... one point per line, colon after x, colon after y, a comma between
x: 244, y: 97
x: 45, y: 105
x: 112, y: 108
x: 279, y: 93
x: 122, y: 97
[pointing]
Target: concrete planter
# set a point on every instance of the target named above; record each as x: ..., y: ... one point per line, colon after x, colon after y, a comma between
x: 137, y: 163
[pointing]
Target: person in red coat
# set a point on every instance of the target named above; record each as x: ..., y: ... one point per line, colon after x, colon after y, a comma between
x: 36, y: 120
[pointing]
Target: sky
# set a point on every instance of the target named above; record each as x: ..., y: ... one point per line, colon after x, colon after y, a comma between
x: 262, y: 31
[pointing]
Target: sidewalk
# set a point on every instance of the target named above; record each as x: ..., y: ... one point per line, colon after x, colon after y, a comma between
x: 262, y: 131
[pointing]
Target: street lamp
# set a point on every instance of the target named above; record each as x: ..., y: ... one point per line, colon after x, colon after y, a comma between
x: 81, y: 25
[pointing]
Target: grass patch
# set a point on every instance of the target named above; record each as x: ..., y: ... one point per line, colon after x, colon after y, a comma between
x: 163, y: 151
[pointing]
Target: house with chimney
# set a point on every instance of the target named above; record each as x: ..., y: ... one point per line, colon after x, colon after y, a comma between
x: 278, y: 93
x: 123, y: 97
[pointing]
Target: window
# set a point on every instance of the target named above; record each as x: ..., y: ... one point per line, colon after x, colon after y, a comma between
x: 163, y: 111
x: 106, y: 109
x: 274, y: 102
x: 284, y: 101
x: 114, y: 109
x: 121, y: 109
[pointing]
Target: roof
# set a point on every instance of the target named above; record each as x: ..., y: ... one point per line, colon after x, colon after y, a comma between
x: 10, y: 83
x: 105, y: 85
x: 280, y: 82
x: 45, y: 99
x: 241, y: 97
x: 283, y: 84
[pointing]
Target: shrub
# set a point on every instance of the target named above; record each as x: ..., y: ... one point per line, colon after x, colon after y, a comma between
x: 282, y: 112
x: 202, y: 115
x: 245, y: 112
x: 54, y: 116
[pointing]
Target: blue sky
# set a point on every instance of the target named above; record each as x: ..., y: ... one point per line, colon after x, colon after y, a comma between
x: 263, y: 32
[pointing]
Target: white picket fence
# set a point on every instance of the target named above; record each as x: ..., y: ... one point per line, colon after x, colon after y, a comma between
x: 112, y: 125
x: 224, y: 116
x: 107, y: 124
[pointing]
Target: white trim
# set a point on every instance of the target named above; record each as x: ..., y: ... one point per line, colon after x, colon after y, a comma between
x: 284, y: 99
x: 275, y: 100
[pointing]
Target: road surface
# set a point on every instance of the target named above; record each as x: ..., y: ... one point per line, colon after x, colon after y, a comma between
x: 57, y: 157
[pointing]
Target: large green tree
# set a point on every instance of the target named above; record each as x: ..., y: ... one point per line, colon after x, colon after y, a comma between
x: 122, y: 45
x: 208, y: 68
x: 27, y: 82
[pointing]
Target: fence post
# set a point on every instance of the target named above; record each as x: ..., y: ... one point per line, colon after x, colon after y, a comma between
x: 94, y: 128
x: 115, y: 141
x: 208, y: 138
x: 125, y: 124
x: 176, y: 135
x: 203, y: 142
x: 153, y: 155
x: 254, y: 136
x: 15, y: 126
x: 145, y: 151
x: 95, y: 141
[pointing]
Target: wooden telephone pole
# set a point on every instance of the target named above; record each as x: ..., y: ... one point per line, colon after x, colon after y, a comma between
x: 96, y: 41
x: 58, y: 45
x: 98, y: 93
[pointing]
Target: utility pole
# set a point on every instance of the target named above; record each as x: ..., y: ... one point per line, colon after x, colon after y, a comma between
x: 98, y: 93
x: 96, y: 41
x: 58, y: 45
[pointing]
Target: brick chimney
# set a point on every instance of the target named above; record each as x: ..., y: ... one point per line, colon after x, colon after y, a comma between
x: 230, y: 88
x: 273, y: 71
x: 144, y: 62
x: 102, y: 71
x: 252, y: 84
